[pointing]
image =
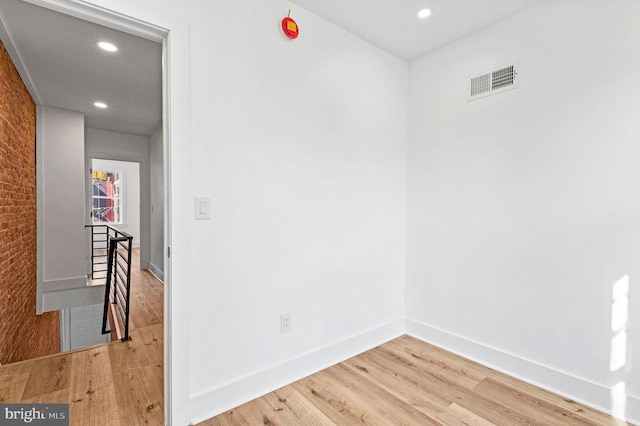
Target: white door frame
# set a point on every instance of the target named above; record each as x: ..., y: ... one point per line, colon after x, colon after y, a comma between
x: 144, y: 199
x: 174, y: 36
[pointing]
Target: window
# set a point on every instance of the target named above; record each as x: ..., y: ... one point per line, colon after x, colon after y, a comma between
x: 106, y: 202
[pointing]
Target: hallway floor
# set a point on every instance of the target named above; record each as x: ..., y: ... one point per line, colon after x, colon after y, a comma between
x: 112, y: 384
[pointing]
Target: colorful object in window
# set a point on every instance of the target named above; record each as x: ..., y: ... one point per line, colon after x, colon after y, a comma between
x: 289, y: 27
x: 106, y: 197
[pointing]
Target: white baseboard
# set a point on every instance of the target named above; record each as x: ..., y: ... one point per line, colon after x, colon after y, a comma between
x: 156, y: 272
x: 559, y: 382
x: 226, y: 396
x: 65, y: 339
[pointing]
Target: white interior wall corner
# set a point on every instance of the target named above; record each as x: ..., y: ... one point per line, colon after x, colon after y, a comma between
x: 525, y: 201
x: 193, y: 63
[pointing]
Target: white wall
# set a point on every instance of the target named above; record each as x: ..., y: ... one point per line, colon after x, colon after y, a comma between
x: 302, y: 148
x: 103, y: 141
x: 524, y: 207
x: 304, y: 162
x: 130, y: 176
x: 61, y: 234
x: 156, y: 187
x: 106, y: 145
x: 62, y: 253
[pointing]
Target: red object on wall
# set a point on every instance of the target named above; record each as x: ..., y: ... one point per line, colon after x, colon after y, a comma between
x: 290, y: 28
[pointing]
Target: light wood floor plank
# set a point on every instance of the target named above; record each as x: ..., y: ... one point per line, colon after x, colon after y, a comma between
x: 331, y: 399
x: 147, y: 294
x: 593, y: 416
x: 407, y: 381
x: 301, y: 407
x: 404, y: 387
x: 448, y: 383
x: 466, y: 372
x: 48, y: 377
x: 526, y: 403
x: 379, y: 403
x: 346, y: 398
x: 92, y: 389
x: 13, y: 380
x: 287, y: 407
x: 139, y: 393
x: 233, y: 417
x: 455, y: 415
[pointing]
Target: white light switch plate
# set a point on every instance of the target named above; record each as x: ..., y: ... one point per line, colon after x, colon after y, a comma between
x: 203, y: 208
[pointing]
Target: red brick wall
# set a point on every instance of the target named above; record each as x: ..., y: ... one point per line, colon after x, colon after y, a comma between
x: 23, y: 334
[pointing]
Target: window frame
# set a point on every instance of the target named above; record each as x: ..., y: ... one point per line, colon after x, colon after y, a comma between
x: 120, y: 196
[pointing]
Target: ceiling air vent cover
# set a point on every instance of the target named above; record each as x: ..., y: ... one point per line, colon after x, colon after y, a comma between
x: 497, y: 80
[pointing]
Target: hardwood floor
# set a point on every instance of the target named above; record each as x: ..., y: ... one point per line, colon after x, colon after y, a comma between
x: 409, y: 382
x: 403, y: 382
x: 111, y: 384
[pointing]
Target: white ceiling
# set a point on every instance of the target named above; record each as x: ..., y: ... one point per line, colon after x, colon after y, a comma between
x: 393, y: 26
x: 65, y: 68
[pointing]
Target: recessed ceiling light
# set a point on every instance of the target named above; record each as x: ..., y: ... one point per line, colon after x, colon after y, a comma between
x: 424, y: 13
x: 105, y: 45
x: 100, y: 105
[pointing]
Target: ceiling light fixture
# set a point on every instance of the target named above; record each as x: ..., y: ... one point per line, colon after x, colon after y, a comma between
x: 105, y: 45
x: 101, y: 105
x: 424, y: 13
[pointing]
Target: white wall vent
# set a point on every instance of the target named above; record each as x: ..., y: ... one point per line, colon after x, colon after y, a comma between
x: 497, y: 80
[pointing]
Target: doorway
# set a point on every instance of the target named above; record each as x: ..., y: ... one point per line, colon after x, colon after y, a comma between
x: 90, y: 15
x: 115, y: 196
x: 156, y: 25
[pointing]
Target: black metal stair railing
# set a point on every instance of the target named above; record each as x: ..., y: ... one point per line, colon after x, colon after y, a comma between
x: 99, y: 252
x: 111, y: 261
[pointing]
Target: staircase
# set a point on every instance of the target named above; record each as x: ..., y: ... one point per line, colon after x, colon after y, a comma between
x: 111, y: 266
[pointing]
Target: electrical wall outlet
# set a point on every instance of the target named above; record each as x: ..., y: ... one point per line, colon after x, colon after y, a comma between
x: 285, y: 322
